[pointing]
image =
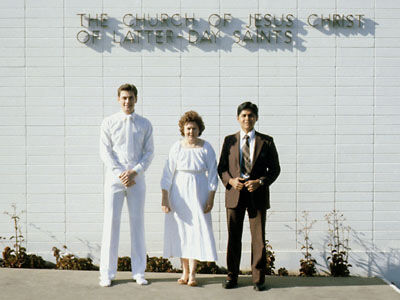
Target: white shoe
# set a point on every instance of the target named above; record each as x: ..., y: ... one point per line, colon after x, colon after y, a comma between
x: 105, y: 282
x: 140, y: 279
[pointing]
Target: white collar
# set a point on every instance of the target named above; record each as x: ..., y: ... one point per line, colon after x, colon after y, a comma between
x: 124, y: 115
x: 251, y: 134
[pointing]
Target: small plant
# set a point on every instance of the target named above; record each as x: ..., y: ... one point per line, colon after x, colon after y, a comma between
x: 307, y: 264
x: 159, y: 264
x: 68, y: 261
x: 14, y: 258
x: 339, y: 244
x: 17, y: 257
x: 283, y: 272
x: 22, y: 260
x: 124, y: 263
x: 206, y: 267
x: 270, y: 256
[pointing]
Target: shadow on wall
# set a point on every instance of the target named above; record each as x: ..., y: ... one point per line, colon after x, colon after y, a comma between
x: 90, y: 247
x: 377, y: 262
x: 368, y: 259
x: 372, y: 260
x: 283, y: 33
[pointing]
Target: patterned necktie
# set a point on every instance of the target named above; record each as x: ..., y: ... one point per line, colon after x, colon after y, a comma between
x: 245, y: 164
x: 129, y: 138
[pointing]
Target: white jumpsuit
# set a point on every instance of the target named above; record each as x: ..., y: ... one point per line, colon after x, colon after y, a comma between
x: 118, y: 156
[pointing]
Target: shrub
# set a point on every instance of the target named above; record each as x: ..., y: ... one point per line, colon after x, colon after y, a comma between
x: 68, y: 261
x: 307, y: 264
x: 20, y: 259
x: 206, y: 267
x: 270, y: 256
x: 339, y: 244
x: 159, y: 264
x: 124, y: 263
x: 283, y: 272
x: 17, y: 257
x: 307, y: 267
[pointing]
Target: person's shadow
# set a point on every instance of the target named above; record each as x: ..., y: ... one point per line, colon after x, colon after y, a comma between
x: 273, y: 282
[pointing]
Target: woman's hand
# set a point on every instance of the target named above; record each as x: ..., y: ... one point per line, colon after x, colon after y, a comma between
x: 165, y: 209
x: 210, y: 202
x: 165, y: 202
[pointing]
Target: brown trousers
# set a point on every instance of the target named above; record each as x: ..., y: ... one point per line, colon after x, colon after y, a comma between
x: 235, y: 218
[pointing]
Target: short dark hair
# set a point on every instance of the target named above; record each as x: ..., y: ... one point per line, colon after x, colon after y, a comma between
x: 127, y: 87
x: 191, y: 116
x: 248, y: 105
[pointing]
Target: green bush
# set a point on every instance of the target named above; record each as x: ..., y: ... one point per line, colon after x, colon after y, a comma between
x: 159, y: 264
x: 283, y: 272
x: 206, y: 267
x: 124, y: 263
x: 339, y: 244
x: 20, y: 259
x: 17, y: 257
x: 307, y: 264
x: 270, y: 255
x: 68, y: 261
x: 307, y: 267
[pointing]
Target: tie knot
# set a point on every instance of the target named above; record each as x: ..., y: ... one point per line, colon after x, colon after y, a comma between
x: 246, y: 137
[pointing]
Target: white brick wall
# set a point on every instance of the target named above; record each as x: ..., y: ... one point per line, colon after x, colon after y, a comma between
x: 331, y: 103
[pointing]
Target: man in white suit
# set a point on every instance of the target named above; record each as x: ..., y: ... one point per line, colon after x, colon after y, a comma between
x: 126, y: 148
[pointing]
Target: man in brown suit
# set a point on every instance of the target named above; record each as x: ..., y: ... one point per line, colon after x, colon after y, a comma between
x: 248, y: 165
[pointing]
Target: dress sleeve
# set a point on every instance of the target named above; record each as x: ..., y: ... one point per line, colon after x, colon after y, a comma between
x: 211, y: 163
x: 169, y: 168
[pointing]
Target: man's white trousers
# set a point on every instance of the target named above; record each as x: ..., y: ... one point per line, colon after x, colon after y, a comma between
x: 113, y: 202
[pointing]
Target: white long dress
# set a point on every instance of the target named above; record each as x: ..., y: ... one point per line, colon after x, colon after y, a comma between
x: 189, y: 174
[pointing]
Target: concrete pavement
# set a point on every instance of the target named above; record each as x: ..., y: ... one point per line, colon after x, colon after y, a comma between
x: 30, y: 284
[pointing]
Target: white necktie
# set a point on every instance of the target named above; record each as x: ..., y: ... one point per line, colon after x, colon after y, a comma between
x: 129, y: 138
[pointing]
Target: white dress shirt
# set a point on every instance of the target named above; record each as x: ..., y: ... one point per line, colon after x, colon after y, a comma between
x: 113, y: 144
x: 252, y: 141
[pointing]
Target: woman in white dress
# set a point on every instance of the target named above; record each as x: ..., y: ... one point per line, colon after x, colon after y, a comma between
x: 188, y: 186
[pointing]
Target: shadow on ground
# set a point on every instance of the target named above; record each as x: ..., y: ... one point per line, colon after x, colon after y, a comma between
x: 56, y: 284
x: 286, y: 281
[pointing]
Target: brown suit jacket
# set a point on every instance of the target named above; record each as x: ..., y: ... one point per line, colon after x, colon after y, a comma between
x: 265, y: 166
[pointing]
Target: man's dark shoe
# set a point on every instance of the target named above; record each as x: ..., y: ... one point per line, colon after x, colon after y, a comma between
x: 259, y: 287
x: 229, y: 284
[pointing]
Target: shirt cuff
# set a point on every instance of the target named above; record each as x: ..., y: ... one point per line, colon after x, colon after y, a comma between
x: 165, y: 186
x: 138, y: 169
x: 212, y: 187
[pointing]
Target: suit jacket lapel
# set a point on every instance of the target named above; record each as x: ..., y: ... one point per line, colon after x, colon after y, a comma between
x: 258, y: 146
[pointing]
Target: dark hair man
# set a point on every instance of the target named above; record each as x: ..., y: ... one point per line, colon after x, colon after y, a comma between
x: 248, y: 165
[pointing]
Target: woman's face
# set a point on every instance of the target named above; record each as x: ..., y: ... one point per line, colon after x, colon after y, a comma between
x: 191, y: 130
